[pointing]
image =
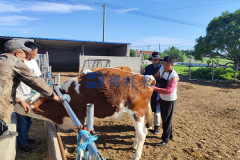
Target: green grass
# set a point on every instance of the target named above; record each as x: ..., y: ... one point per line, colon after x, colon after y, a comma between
x: 206, y: 73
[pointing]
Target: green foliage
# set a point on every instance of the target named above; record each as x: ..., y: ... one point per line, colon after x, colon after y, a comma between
x: 209, y: 61
x: 204, y: 60
x: 222, y: 38
x: 182, y: 71
x: 178, y: 55
x: 145, y: 56
x: 188, y: 53
x: 164, y: 54
x: 132, y: 53
x: 206, y: 73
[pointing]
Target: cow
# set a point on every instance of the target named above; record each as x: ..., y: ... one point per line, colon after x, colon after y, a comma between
x: 124, y: 68
x: 130, y: 96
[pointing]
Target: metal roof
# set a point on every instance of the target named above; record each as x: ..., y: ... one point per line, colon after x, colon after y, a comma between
x: 56, y: 43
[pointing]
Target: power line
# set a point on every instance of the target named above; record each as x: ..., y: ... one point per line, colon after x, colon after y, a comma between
x: 193, y: 6
x: 149, y: 15
x: 139, y: 13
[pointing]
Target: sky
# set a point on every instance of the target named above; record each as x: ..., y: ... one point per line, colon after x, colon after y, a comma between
x: 143, y: 23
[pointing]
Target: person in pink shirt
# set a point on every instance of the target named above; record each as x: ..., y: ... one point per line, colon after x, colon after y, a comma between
x: 168, y: 96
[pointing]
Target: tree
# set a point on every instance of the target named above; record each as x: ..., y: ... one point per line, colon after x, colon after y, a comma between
x: 175, y: 53
x: 188, y: 52
x: 145, y: 56
x: 222, y: 39
x: 132, y: 53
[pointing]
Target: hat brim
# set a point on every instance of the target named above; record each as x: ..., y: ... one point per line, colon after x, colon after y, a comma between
x: 154, y: 58
x: 26, y: 49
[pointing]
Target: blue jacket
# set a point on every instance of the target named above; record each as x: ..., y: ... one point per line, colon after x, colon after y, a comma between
x: 150, y: 70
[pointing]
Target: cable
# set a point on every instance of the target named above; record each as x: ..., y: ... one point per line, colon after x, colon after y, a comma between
x: 149, y: 15
x: 140, y: 13
x: 193, y: 6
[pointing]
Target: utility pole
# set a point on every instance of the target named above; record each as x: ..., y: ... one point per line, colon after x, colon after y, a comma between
x: 104, y: 15
x: 159, y: 48
x: 148, y: 50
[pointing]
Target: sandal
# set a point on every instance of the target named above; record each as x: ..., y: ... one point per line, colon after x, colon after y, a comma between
x: 9, y: 135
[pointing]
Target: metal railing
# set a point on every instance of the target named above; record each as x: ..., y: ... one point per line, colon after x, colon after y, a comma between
x: 94, y: 153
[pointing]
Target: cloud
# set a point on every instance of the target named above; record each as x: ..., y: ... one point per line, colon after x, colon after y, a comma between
x: 40, y: 7
x: 22, y: 30
x: 122, y: 11
x: 14, y: 20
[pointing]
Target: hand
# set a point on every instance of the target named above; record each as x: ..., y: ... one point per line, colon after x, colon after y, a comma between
x: 24, y: 105
x: 65, y: 97
x: 56, y: 98
x: 79, y: 128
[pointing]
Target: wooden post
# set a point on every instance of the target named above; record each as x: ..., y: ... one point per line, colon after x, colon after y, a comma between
x: 189, y: 70
x: 79, y: 68
x: 212, y: 71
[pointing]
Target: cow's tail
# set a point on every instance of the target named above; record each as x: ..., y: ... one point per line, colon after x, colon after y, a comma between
x: 148, y: 116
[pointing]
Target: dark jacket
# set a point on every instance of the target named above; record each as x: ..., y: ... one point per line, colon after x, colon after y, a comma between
x: 150, y: 70
x: 12, y: 71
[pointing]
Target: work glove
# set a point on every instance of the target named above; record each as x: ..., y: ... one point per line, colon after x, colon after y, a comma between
x: 65, y: 97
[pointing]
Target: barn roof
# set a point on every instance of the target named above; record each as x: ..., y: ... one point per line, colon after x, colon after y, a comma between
x: 60, y: 43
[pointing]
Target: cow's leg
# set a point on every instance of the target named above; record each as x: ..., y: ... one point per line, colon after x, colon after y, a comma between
x: 141, y: 133
x: 148, y: 116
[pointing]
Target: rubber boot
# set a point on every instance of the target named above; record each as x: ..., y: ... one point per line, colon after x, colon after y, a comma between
x: 156, y: 130
x: 157, y: 119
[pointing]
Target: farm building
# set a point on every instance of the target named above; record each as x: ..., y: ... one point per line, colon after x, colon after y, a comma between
x: 64, y: 54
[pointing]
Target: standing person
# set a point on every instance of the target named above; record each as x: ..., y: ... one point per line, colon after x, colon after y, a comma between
x: 168, y: 97
x: 24, y: 122
x: 152, y: 69
x: 12, y: 72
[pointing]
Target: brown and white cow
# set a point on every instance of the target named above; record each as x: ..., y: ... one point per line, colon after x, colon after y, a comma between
x: 111, y: 103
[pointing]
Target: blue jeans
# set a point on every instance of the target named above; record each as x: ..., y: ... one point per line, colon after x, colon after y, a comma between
x: 23, y: 125
x: 3, y: 127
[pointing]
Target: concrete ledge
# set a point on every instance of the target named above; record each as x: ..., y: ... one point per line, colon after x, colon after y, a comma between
x: 52, y: 142
x: 8, y: 146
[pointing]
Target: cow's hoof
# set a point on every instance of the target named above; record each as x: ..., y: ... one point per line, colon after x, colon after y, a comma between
x: 131, y: 148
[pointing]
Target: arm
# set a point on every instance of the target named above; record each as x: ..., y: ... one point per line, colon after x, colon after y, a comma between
x: 24, y: 105
x: 24, y: 74
x: 171, y: 86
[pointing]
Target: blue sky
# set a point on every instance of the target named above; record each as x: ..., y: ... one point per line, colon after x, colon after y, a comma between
x: 140, y: 22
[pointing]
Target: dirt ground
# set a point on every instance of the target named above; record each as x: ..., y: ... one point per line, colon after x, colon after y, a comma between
x: 206, y: 125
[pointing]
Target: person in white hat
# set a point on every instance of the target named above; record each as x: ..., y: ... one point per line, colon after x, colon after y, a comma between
x: 152, y: 69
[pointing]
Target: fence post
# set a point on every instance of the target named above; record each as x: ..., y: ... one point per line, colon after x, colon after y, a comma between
x: 212, y: 72
x: 189, y: 70
x: 50, y: 69
x: 79, y: 68
x: 58, y: 78
x: 90, y: 116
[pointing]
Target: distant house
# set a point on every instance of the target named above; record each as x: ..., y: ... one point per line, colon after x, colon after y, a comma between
x: 148, y: 52
x: 138, y: 53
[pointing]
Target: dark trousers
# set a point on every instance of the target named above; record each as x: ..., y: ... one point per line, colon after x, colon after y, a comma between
x: 167, y: 109
x: 23, y: 125
x: 3, y: 127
